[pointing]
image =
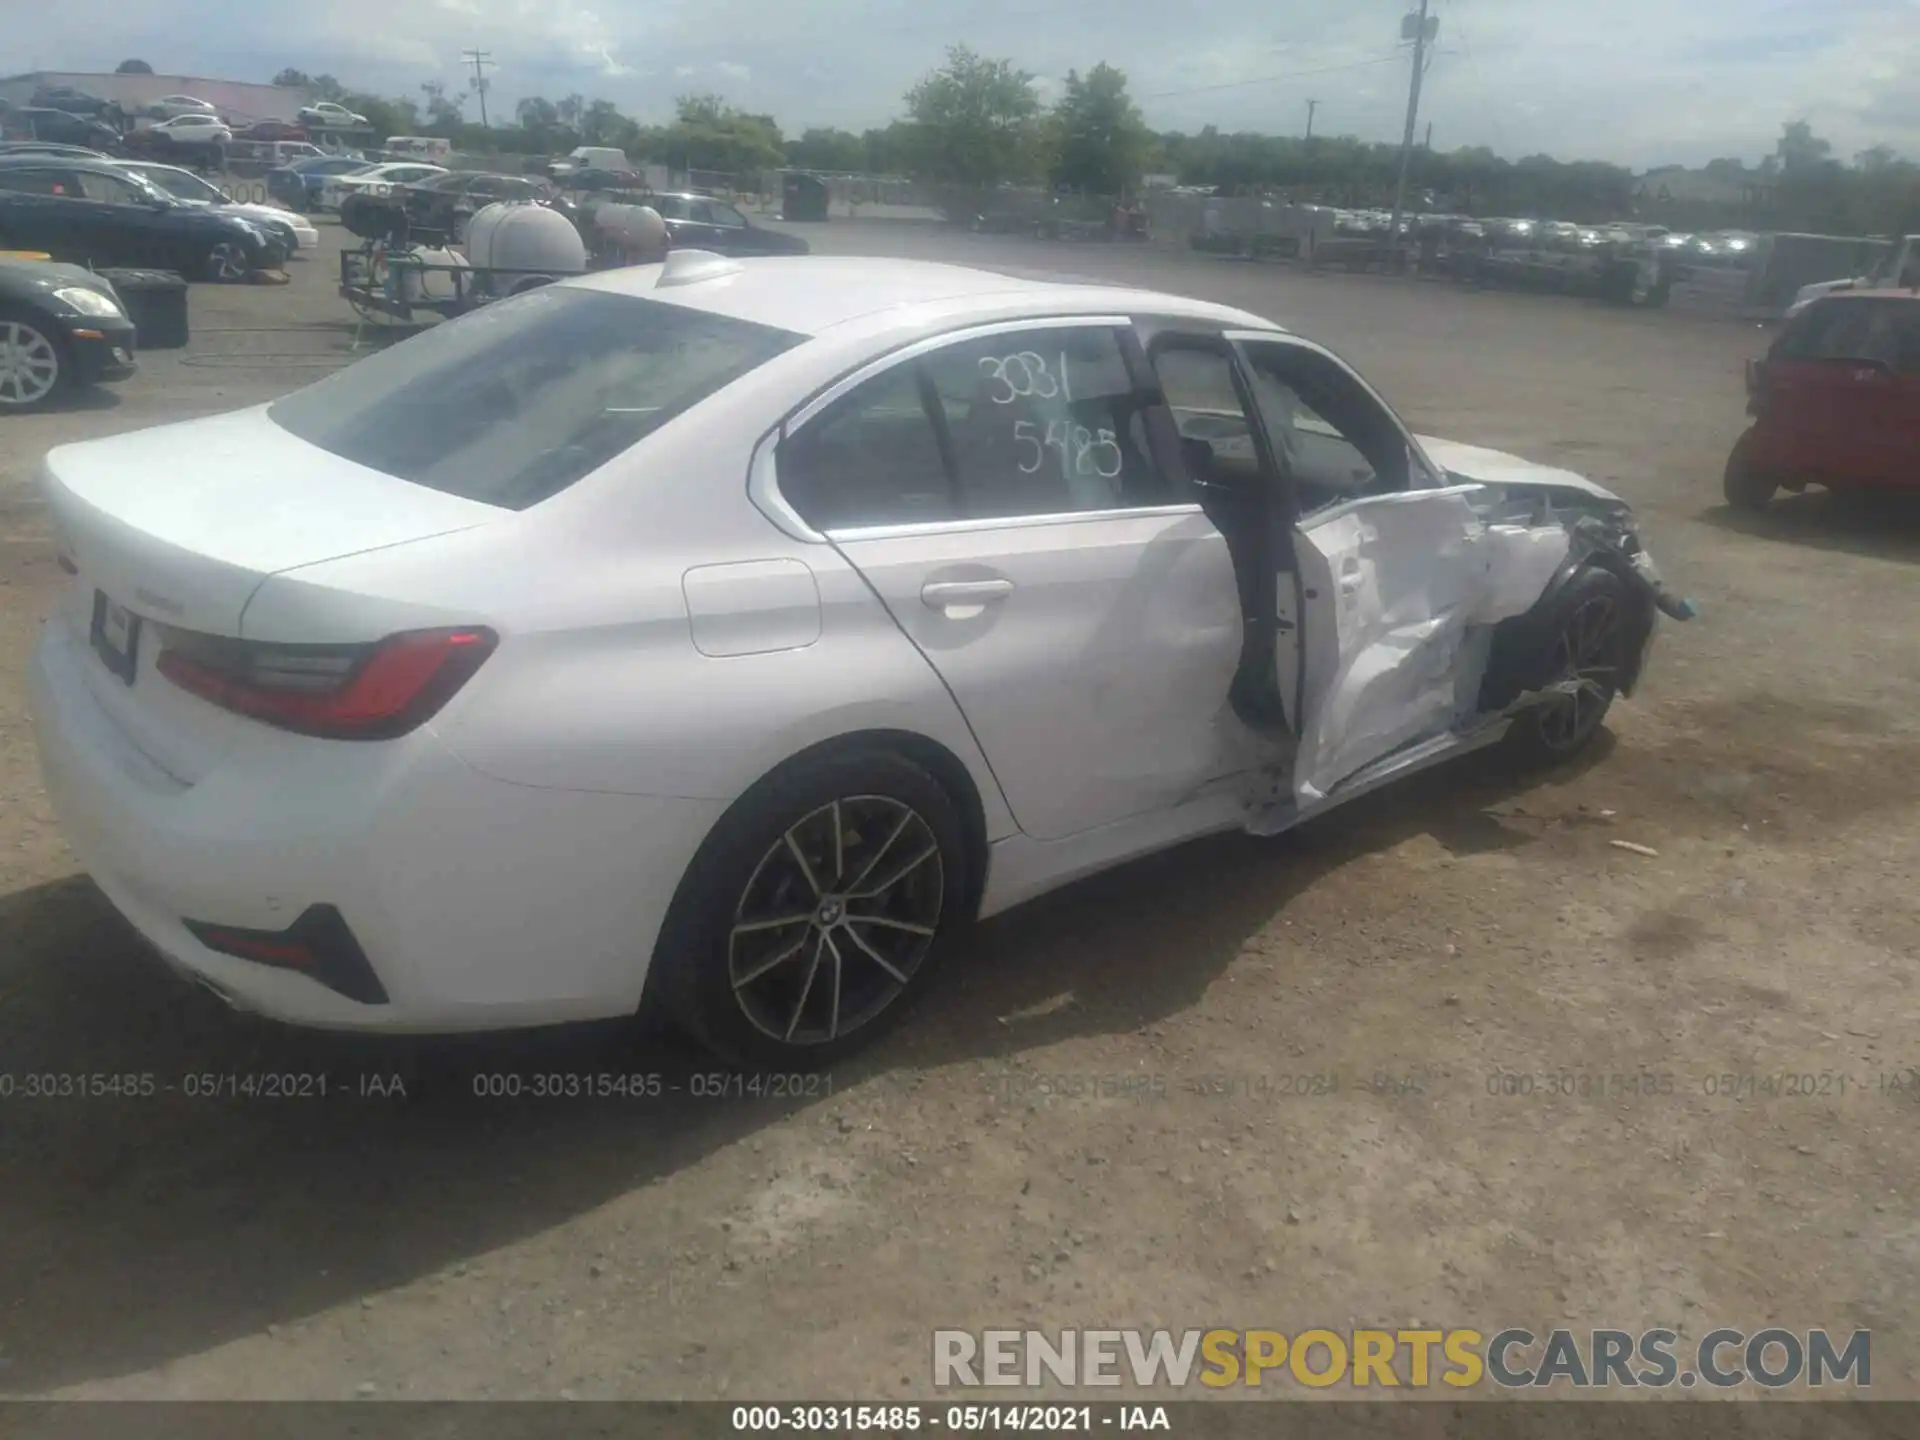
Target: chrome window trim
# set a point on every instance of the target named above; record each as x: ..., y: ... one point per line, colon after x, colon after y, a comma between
x: 763, y: 489
x: 924, y: 528
x: 1435, y: 476
x: 812, y: 408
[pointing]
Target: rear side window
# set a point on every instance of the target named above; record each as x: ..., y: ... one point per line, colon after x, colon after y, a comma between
x: 518, y: 400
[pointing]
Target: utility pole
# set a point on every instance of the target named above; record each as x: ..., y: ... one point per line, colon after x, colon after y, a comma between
x: 1428, y: 143
x: 1420, y: 28
x: 479, y: 83
x: 1312, y: 105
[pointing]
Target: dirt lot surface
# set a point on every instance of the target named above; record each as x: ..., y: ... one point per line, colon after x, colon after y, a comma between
x: 1414, y: 947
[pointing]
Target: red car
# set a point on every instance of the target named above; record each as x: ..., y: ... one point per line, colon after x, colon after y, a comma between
x: 1835, y: 401
x: 270, y: 130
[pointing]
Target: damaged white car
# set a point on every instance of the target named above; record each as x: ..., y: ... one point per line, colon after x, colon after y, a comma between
x: 722, y: 635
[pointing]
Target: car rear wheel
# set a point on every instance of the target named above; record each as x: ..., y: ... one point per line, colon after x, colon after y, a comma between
x: 33, y: 361
x: 1746, y: 485
x: 815, y: 912
x: 1583, y: 647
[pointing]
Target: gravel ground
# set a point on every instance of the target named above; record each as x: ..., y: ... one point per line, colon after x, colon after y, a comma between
x: 1415, y: 946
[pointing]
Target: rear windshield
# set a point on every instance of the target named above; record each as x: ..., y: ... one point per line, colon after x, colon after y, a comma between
x: 518, y: 400
x: 1882, y: 331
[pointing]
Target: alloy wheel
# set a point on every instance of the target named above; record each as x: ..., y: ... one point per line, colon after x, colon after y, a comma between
x: 29, y: 364
x: 838, y: 915
x: 227, y: 262
x: 1587, y: 653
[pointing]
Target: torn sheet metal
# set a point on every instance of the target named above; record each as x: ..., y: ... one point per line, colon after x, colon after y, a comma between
x: 1401, y: 582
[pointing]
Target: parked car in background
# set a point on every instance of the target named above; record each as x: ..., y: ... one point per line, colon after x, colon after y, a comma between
x: 335, y: 188
x: 193, y: 130
x: 1835, y: 401
x: 47, y: 147
x: 589, y: 157
x: 325, y: 115
x: 270, y: 130
x: 65, y: 97
x: 168, y: 107
x: 445, y: 203
x: 294, y: 231
x: 92, y: 212
x: 700, y: 223
x: 1899, y: 267
x: 298, y: 183
x: 418, y: 147
x: 61, y: 328
x: 36, y: 122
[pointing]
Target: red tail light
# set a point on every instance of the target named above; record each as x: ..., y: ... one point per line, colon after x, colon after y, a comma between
x: 336, y: 692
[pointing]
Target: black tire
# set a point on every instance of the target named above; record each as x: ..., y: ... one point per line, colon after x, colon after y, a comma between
x: 29, y: 339
x: 715, y: 970
x: 1746, y: 486
x: 1584, y: 635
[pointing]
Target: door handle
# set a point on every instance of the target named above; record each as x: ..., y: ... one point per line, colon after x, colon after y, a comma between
x: 951, y: 595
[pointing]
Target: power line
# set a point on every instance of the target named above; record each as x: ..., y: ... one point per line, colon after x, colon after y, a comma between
x: 1393, y: 59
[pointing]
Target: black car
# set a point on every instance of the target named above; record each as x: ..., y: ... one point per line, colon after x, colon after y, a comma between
x: 65, y: 97
x: 61, y: 328
x: 699, y: 222
x: 91, y: 212
x: 37, y: 122
x: 437, y: 208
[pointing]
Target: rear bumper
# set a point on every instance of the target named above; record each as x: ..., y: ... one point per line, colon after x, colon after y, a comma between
x: 479, y: 905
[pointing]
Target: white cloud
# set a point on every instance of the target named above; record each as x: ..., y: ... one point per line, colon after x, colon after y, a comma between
x: 734, y: 71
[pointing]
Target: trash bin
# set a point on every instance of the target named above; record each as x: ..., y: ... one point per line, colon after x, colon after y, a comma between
x: 156, y: 302
x: 803, y: 197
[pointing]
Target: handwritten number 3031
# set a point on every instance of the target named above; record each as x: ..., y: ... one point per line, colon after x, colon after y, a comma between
x: 1025, y: 375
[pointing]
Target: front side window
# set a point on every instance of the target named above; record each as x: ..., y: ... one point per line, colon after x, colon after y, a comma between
x: 183, y: 186
x: 727, y: 215
x: 518, y: 400
x: 1335, y: 440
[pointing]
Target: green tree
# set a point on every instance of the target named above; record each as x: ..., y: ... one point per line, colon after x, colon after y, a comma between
x: 602, y: 124
x: 1101, y: 143
x: 709, y: 134
x: 445, y: 113
x: 828, y: 149
x: 976, y: 122
x: 1800, y: 149
x: 133, y: 67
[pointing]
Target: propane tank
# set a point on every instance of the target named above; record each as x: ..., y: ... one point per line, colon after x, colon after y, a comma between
x: 635, y: 232
x: 521, y: 235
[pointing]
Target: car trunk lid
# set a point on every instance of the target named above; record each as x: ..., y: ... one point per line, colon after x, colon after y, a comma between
x: 177, y: 527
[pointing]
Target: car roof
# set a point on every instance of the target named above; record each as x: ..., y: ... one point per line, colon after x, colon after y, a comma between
x: 26, y: 161
x: 811, y: 294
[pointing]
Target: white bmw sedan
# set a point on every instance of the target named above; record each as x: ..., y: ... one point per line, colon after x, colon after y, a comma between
x: 722, y: 635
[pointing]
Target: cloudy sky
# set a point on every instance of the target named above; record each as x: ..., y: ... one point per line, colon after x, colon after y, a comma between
x: 1640, y: 82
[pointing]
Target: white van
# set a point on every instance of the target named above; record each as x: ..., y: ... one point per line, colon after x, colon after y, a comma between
x: 419, y: 147
x: 592, y: 157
